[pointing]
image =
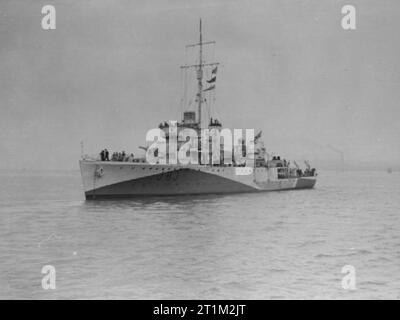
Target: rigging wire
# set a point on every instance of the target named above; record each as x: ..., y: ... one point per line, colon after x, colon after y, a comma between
x: 185, y: 84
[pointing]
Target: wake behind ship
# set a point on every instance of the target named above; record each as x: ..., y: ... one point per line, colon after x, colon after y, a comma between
x: 255, y: 171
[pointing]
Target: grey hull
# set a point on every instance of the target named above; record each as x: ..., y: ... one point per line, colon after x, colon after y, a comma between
x: 134, y: 180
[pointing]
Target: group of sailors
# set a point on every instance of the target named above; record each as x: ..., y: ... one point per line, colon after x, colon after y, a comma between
x: 281, y: 163
x: 308, y: 172
x: 116, y: 156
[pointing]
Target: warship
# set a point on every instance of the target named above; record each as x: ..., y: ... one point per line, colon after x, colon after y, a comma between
x: 255, y: 171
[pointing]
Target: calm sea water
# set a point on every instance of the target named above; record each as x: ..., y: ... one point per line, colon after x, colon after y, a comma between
x: 276, y: 245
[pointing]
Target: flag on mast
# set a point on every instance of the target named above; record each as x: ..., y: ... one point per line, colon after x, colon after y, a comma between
x: 212, y: 79
x: 210, y: 88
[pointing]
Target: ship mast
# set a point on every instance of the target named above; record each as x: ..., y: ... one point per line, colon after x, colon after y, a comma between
x: 200, y: 77
x: 199, y: 68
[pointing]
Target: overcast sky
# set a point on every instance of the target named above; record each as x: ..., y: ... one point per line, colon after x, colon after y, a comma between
x: 110, y: 72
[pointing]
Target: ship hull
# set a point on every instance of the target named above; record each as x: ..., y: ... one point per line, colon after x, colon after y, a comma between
x: 107, y: 180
